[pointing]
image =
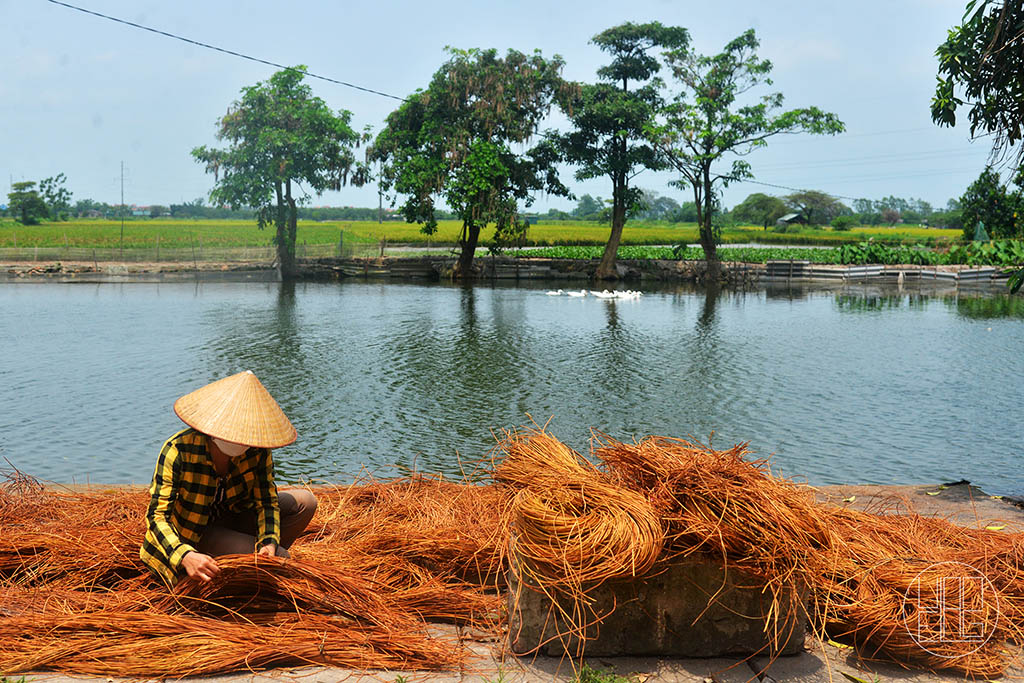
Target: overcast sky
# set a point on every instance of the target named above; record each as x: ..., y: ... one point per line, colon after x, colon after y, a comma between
x: 81, y: 94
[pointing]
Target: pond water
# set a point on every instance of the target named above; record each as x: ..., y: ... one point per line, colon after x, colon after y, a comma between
x: 856, y: 385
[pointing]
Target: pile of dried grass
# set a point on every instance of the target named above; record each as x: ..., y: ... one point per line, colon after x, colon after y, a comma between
x: 381, y: 561
x: 880, y: 580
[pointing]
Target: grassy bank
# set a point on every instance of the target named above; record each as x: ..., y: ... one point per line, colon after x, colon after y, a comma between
x: 185, y: 234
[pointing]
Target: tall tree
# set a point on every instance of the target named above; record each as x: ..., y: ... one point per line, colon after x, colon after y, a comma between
x: 455, y: 141
x: 760, y: 209
x: 25, y: 204
x: 706, y: 121
x: 56, y: 196
x: 982, y: 58
x: 610, y: 119
x: 282, y: 140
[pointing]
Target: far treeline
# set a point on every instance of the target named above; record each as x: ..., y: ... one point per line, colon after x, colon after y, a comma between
x: 464, y: 141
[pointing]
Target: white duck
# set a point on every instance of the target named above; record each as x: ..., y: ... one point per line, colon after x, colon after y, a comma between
x: 558, y: 293
x: 582, y: 292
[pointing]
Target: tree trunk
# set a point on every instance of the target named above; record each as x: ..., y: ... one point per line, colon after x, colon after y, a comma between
x: 286, y: 247
x: 281, y: 229
x: 470, y: 238
x: 606, y: 269
x: 707, y: 235
x: 707, y: 243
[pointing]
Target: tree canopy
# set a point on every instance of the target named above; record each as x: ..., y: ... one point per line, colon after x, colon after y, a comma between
x: 282, y: 140
x: 818, y: 208
x: 708, y: 120
x: 25, y: 204
x: 56, y: 196
x: 454, y: 141
x: 988, y: 201
x: 760, y: 209
x: 610, y: 119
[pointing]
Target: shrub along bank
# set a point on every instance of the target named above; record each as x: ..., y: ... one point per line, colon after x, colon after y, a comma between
x: 1001, y: 253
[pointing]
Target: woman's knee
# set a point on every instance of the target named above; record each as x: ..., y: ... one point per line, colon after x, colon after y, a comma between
x: 299, y: 502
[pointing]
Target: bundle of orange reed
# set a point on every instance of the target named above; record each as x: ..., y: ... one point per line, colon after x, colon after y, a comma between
x: 876, y: 579
x: 359, y: 591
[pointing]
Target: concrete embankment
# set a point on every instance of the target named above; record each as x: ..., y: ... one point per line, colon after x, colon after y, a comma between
x: 510, y: 269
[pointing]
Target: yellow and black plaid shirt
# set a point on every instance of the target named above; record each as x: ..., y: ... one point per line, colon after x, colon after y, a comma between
x: 182, y: 499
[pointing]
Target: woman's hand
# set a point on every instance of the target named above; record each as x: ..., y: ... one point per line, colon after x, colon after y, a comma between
x: 269, y: 550
x: 200, y: 566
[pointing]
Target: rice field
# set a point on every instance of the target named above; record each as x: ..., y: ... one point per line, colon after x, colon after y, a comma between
x: 171, y: 233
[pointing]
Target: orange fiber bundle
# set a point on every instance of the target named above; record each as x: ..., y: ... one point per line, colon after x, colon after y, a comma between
x: 570, y: 524
x: 74, y: 597
x: 446, y: 527
x: 570, y: 528
x: 877, y: 580
x: 143, y: 645
x: 861, y: 569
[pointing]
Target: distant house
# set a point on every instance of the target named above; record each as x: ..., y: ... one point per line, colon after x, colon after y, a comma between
x: 791, y: 218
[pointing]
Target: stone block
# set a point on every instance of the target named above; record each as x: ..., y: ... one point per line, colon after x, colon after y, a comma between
x: 695, y: 608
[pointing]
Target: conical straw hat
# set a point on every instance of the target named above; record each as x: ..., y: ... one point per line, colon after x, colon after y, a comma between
x: 237, y: 409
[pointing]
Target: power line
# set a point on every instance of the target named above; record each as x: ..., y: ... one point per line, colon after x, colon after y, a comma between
x: 224, y: 50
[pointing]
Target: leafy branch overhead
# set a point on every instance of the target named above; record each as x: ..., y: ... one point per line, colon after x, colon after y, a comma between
x: 983, y: 58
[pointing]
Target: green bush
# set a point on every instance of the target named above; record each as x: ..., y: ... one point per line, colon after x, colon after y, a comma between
x: 788, y: 228
x: 843, y: 223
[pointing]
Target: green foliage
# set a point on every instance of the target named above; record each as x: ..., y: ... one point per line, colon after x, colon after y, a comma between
x: 586, y: 674
x: 988, y: 201
x: 843, y: 223
x: 455, y: 140
x: 1015, y: 281
x: 56, y: 196
x: 817, y: 208
x: 1002, y: 254
x: 610, y: 118
x: 282, y: 139
x: 706, y: 121
x: 982, y: 59
x: 587, y: 207
x: 788, y: 228
x: 876, y: 253
x: 760, y: 209
x: 25, y: 204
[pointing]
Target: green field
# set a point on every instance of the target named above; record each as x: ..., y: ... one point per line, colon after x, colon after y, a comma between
x: 183, y: 234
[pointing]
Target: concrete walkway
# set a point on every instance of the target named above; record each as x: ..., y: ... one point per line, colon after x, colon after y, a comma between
x: 817, y: 664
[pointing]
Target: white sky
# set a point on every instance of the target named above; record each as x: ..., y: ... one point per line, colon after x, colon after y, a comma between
x: 80, y: 94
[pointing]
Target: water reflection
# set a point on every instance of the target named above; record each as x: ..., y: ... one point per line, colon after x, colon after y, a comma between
x: 987, y: 307
x: 843, y: 384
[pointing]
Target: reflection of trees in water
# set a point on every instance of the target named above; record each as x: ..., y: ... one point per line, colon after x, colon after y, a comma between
x: 465, y: 371
x: 868, y: 303
x: 267, y: 340
x: 706, y: 353
x: 986, y: 307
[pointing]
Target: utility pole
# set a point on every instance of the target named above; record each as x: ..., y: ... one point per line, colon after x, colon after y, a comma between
x: 122, y: 210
